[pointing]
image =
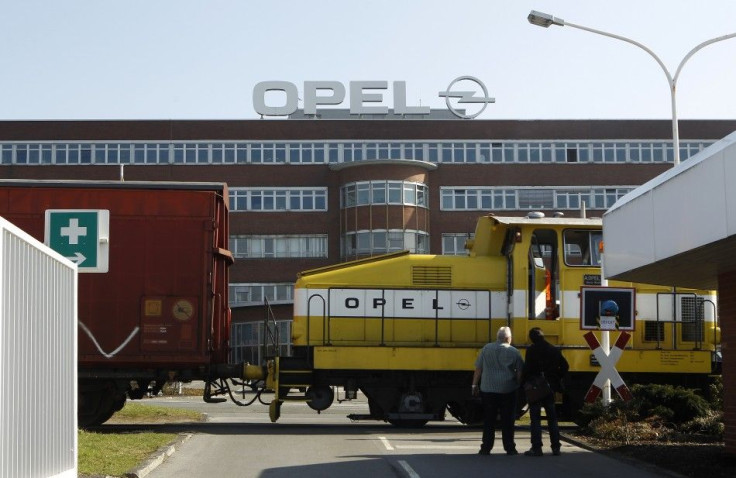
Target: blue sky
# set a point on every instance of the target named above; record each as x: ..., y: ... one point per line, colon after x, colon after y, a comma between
x: 186, y: 59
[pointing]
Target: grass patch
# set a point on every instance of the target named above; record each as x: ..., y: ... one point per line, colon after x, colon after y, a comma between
x: 135, y: 412
x: 116, y: 453
x: 191, y: 391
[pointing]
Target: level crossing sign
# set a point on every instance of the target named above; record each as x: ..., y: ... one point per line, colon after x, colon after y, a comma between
x: 80, y: 235
x: 608, y: 367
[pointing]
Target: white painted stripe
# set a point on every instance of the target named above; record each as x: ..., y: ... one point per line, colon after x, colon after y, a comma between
x: 94, y: 341
x: 435, y: 447
x: 646, y: 305
x: 386, y: 443
x: 409, y: 470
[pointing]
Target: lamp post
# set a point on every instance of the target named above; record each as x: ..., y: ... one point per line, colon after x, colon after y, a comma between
x: 545, y: 20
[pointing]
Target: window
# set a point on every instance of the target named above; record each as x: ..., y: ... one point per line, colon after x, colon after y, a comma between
x: 454, y: 244
x: 394, y: 192
x: 582, y: 247
x: 410, y: 194
x: 364, y: 193
x: 378, y: 190
x: 7, y: 154
x: 348, y: 196
x: 333, y: 153
x: 395, y: 241
x: 434, y: 153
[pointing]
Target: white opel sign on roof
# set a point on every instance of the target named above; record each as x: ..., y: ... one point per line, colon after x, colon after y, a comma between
x: 366, y: 97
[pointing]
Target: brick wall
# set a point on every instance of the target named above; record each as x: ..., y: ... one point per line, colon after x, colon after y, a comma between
x: 727, y: 313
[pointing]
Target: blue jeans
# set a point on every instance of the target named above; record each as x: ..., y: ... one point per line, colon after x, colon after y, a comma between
x: 535, y: 413
x: 492, y: 403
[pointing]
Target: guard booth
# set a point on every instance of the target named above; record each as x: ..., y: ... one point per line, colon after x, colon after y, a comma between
x: 38, y: 345
x: 679, y: 230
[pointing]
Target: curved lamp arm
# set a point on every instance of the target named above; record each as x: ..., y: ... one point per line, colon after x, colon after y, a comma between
x: 545, y: 20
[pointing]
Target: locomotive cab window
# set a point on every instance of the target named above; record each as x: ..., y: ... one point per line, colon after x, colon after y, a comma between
x: 582, y: 248
x: 543, y: 276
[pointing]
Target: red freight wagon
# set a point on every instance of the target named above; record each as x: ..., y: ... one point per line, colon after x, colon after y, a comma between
x: 160, y: 311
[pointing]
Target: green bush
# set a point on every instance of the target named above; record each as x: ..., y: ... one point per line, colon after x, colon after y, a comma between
x: 711, y: 425
x: 676, y: 404
x: 593, y: 411
x: 715, y: 393
x: 617, y: 409
x: 657, y: 412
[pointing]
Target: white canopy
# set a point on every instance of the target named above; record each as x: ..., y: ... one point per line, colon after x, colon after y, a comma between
x: 679, y: 229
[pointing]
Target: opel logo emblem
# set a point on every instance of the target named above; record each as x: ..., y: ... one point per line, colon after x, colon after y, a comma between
x: 466, y: 97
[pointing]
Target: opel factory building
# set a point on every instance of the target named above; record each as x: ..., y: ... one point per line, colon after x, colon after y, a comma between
x: 311, y: 191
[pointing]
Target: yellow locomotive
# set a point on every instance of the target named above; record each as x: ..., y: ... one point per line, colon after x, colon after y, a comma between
x: 405, y: 329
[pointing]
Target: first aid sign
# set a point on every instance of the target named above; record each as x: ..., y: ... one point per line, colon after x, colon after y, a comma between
x: 80, y: 235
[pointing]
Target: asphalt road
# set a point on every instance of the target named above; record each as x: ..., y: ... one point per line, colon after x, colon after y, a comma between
x: 242, y: 442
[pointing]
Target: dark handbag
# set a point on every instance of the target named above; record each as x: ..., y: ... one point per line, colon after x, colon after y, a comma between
x: 536, y: 388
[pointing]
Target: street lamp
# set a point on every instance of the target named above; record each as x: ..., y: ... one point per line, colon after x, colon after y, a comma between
x: 545, y: 20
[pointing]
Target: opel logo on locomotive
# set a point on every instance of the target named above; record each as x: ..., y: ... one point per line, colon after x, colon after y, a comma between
x: 366, y: 97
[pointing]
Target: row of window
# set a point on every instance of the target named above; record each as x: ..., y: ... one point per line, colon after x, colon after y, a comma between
x: 452, y: 198
x: 255, y: 294
x: 278, y: 199
x: 345, y: 152
x: 381, y: 241
x: 494, y: 198
x: 361, y: 242
x: 384, y: 192
x: 375, y: 242
x: 260, y: 247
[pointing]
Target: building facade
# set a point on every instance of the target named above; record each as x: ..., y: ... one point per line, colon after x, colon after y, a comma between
x: 306, y: 193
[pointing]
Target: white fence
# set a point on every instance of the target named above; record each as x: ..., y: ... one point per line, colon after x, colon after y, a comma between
x: 38, y: 358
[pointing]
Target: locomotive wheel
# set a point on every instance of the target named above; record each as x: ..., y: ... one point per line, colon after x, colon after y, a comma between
x: 320, y: 397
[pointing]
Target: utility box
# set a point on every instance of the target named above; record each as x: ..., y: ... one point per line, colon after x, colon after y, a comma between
x: 38, y: 345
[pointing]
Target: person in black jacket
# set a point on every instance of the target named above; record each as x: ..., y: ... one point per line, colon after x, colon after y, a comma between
x: 544, y: 358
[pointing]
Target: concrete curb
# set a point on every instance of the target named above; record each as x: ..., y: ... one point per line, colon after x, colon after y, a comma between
x: 158, y: 457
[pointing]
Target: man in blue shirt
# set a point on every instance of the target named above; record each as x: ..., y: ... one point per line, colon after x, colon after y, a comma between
x: 496, y: 378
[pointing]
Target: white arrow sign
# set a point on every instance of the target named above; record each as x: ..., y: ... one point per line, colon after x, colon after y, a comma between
x: 78, y: 258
